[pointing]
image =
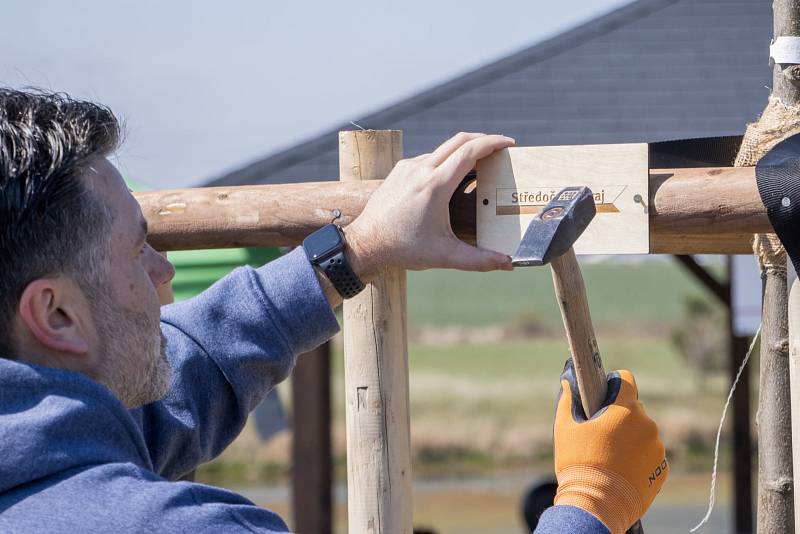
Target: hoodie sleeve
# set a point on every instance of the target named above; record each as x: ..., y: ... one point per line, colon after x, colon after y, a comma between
x: 228, y: 347
x: 569, y: 519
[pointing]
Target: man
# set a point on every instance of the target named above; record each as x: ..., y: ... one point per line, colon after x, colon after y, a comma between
x: 105, y: 399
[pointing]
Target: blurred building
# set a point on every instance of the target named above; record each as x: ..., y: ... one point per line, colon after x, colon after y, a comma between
x: 653, y: 70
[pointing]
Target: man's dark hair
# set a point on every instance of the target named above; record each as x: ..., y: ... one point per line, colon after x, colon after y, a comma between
x: 51, y: 223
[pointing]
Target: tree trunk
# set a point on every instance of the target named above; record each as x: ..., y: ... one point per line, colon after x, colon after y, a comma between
x: 786, y: 79
x: 775, y: 485
x: 780, y: 119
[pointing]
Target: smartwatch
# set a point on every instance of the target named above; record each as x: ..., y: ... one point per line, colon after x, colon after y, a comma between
x: 325, y: 249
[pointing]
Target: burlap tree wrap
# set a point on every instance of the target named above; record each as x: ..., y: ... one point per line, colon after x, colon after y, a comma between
x: 777, y: 122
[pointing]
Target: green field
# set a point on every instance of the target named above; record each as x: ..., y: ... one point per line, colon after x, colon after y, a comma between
x: 620, y: 295
x: 482, y: 410
x: 488, y: 405
x: 478, y: 408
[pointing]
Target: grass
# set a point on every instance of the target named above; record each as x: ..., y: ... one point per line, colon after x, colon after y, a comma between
x: 620, y: 294
x: 481, y: 423
x: 483, y: 410
x: 487, y: 406
x: 479, y: 408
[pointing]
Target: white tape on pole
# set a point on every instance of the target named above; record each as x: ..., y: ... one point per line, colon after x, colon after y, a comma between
x: 785, y: 50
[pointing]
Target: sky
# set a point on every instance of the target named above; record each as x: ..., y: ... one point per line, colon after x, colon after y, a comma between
x: 205, y: 87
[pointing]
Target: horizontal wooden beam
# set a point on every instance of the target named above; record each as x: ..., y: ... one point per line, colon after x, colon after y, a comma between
x: 692, y: 211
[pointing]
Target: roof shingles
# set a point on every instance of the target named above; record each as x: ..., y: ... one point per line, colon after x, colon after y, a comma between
x: 650, y: 71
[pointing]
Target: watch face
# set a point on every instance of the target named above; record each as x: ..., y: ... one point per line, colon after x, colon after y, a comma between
x: 324, y: 241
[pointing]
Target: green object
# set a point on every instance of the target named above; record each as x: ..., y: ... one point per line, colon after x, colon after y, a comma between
x: 133, y: 185
x: 196, y: 270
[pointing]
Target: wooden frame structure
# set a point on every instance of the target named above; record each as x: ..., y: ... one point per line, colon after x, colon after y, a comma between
x: 692, y: 211
x: 695, y: 210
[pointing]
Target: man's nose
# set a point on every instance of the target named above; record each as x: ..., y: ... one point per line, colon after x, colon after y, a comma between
x: 161, y: 271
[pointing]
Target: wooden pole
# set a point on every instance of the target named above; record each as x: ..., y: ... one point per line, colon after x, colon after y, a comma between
x: 786, y: 90
x: 742, y: 436
x: 775, y: 500
x: 786, y: 78
x: 780, y: 119
x: 376, y: 369
x: 794, y: 379
x: 312, y: 466
x: 692, y: 211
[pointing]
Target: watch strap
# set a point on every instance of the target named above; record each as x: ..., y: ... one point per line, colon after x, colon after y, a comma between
x: 338, y: 271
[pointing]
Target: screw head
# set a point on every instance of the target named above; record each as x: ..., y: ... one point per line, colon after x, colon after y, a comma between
x: 552, y: 213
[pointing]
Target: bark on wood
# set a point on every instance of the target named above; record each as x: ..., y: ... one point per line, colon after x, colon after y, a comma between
x: 775, y: 486
x: 692, y: 211
x: 794, y: 377
x: 775, y: 481
x: 786, y: 78
x: 312, y: 466
x: 376, y: 370
x: 786, y: 89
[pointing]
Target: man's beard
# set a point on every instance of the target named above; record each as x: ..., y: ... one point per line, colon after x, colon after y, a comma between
x: 134, y: 362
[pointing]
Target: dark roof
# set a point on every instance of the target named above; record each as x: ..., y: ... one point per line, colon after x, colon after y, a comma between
x: 653, y: 70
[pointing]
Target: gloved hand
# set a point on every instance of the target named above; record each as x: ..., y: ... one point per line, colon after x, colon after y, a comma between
x: 613, y: 464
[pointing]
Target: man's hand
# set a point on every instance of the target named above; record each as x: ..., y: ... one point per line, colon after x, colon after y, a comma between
x: 406, y: 222
x: 613, y: 464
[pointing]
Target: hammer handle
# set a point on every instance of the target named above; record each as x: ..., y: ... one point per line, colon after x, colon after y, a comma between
x: 571, y: 295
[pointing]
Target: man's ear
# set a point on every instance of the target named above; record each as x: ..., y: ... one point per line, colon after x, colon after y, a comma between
x: 53, y: 312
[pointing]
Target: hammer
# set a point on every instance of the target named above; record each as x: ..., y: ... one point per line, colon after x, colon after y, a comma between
x: 549, y: 239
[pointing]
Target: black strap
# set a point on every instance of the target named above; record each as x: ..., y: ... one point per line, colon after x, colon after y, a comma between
x: 698, y: 152
x: 778, y: 179
x: 338, y: 271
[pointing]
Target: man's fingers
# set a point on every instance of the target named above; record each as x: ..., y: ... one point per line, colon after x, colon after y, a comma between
x: 468, y: 258
x: 451, y: 145
x: 463, y: 159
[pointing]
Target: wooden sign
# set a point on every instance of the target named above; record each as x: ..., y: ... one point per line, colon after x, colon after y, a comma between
x: 515, y: 184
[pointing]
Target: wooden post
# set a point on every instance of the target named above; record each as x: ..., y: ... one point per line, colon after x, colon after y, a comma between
x: 742, y: 438
x: 376, y: 369
x: 692, y: 211
x: 775, y: 500
x: 780, y: 119
x: 742, y: 459
x: 785, y: 83
x: 794, y: 378
x: 311, y: 443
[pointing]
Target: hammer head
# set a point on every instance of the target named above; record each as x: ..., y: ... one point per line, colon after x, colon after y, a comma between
x: 556, y: 228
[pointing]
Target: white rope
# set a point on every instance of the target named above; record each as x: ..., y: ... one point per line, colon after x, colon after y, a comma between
x: 719, y: 431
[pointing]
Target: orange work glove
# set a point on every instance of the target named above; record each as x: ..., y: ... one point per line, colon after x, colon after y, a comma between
x: 613, y: 464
